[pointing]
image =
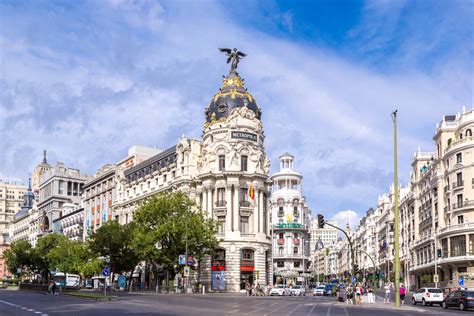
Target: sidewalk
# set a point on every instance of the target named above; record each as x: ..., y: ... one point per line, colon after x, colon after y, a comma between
x: 379, y: 304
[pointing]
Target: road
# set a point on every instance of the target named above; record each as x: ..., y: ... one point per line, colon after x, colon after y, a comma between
x: 27, y: 303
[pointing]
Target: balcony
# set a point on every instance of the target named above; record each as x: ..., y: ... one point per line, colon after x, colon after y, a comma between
x: 426, y: 221
x: 245, y: 204
x: 458, y: 185
x: 296, y: 241
x: 221, y: 203
x: 446, y: 189
x: 287, y: 255
x: 459, y: 228
x: 281, y: 214
x: 281, y: 241
x: 463, y: 204
x: 447, y: 209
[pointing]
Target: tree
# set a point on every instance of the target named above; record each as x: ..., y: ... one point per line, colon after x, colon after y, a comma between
x: 113, y: 242
x: 19, y: 256
x: 41, y: 262
x: 68, y: 256
x: 164, y: 222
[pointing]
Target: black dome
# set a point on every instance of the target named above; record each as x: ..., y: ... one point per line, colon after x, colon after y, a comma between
x: 231, y: 95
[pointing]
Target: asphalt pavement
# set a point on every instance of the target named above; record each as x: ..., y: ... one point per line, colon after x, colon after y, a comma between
x: 29, y: 303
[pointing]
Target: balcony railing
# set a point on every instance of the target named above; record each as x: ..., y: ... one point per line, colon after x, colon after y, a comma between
x: 462, y: 204
x: 447, y: 209
x: 296, y: 241
x: 221, y: 203
x: 458, y: 226
x: 458, y: 184
x: 281, y: 241
x: 245, y: 203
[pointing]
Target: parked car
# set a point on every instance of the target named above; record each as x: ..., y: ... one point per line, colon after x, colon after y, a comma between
x: 428, y: 296
x: 319, y: 290
x: 328, y: 289
x: 280, y: 290
x: 298, y: 290
x: 461, y: 298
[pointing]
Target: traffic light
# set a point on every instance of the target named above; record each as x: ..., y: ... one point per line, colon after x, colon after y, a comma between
x: 439, y: 253
x: 320, y: 221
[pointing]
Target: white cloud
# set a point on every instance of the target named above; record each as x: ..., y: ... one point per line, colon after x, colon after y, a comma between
x: 347, y: 217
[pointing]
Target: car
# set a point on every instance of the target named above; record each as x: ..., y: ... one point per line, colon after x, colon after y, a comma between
x: 297, y: 290
x: 328, y: 289
x: 428, y: 296
x: 319, y: 290
x: 463, y: 299
x: 280, y: 290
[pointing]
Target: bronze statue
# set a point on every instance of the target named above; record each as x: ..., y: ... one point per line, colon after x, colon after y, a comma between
x: 233, y: 57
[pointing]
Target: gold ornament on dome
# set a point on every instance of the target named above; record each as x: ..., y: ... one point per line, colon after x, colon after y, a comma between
x: 235, y: 81
x: 214, y: 120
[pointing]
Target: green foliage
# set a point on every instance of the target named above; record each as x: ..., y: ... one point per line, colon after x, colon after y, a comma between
x: 19, y: 256
x: 68, y: 256
x: 113, y: 242
x: 164, y: 222
x: 41, y: 262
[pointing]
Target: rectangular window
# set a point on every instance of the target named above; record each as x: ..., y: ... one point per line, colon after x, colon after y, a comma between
x: 244, y: 225
x: 220, y: 197
x: 221, y: 222
x: 459, y: 158
x: 221, y: 162
x: 458, y: 245
x: 296, y: 264
x: 461, y: 219
x: 243, y: 163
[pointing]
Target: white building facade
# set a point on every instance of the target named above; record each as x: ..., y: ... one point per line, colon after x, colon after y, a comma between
x: 290, y: 225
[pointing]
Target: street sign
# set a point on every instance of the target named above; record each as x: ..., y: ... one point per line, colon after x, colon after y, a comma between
x: 435, y: 278
x: 186, y: 271
x: 105, y: 272
x: 460, y: 281
x: 182, y: 259
x: 354, y: 280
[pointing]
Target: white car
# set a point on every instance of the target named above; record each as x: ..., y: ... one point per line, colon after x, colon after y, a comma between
x: 428, y: 296
x: 280, y: 290
x: 297, y: 290
x: 319, y: 290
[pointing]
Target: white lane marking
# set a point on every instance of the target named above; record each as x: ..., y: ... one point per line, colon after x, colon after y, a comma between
x: 329, y: 310
x: 294, y: 310
x: 345, y: 310
x: 22, y: 307
x: 312, y: 309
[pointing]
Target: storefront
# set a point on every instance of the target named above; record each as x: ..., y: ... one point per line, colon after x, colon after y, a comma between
x: 218, y: 282
x: 247, y: 267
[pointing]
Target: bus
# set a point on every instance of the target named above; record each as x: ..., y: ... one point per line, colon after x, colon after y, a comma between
x: 68, y: 281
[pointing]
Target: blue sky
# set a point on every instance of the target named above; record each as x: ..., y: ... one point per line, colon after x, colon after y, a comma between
x: 88, y: 79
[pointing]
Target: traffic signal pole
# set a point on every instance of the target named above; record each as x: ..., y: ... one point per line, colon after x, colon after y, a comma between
x: 396, y: 215
x: 350, y: 246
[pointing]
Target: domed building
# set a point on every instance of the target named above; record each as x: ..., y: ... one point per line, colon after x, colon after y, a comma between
x: 226, y: 172
x: 291, y: 220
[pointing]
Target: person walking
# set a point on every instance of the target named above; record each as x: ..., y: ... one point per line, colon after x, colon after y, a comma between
x: 370, y: 295
x: 53, y: 288
x: 387, y: 288
x: 348, y: 295
x: 403, y: 292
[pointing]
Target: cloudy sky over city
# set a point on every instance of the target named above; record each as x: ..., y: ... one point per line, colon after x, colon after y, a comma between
x: 86, y: 80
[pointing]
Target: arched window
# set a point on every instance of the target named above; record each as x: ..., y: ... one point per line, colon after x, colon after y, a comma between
x: 468, y: 133
x: 450, y: 140
x: 295, y: 250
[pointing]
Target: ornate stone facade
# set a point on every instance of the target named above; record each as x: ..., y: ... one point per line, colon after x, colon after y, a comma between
x: 226, y: 173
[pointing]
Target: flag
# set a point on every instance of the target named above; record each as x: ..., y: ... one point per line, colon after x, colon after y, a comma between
x: 251, y: 192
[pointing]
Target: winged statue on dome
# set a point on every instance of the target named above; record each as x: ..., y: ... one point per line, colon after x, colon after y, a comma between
x: 233, y: 57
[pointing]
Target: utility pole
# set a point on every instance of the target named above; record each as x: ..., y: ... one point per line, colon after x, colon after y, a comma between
x: 396, y: 215
x: 436, y: 260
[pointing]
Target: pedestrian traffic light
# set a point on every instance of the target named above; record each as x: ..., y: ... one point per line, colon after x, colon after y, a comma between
x: 320, y: 221
x: 440, y: 253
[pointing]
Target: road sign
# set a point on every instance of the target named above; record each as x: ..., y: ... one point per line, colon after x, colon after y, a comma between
x: 105, y: 272
x: 460, y: 281
x: 182, y: 259
x: 354, y: 280
x: 435, y: 278
x: 186, y: 271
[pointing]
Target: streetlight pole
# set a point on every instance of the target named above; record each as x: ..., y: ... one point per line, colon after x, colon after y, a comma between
x: 436, y: 260
x: 396, y: 215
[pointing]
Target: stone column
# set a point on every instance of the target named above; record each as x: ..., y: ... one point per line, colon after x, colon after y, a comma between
x: 228, y: 216
x: 449, y: 247
x: 204, y: 202
x: 255, y: 218
x: 236, y: 215
x: 209, y: 203
x: 260, y: 211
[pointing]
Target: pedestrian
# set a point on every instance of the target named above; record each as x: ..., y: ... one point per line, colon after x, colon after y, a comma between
x: 348, y: 295
x: 370, y: 295
x: 358, y: 294
x: 402, y: 294
x: 387, y: 288
x: 53, y: 288
x: 247, y: 288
